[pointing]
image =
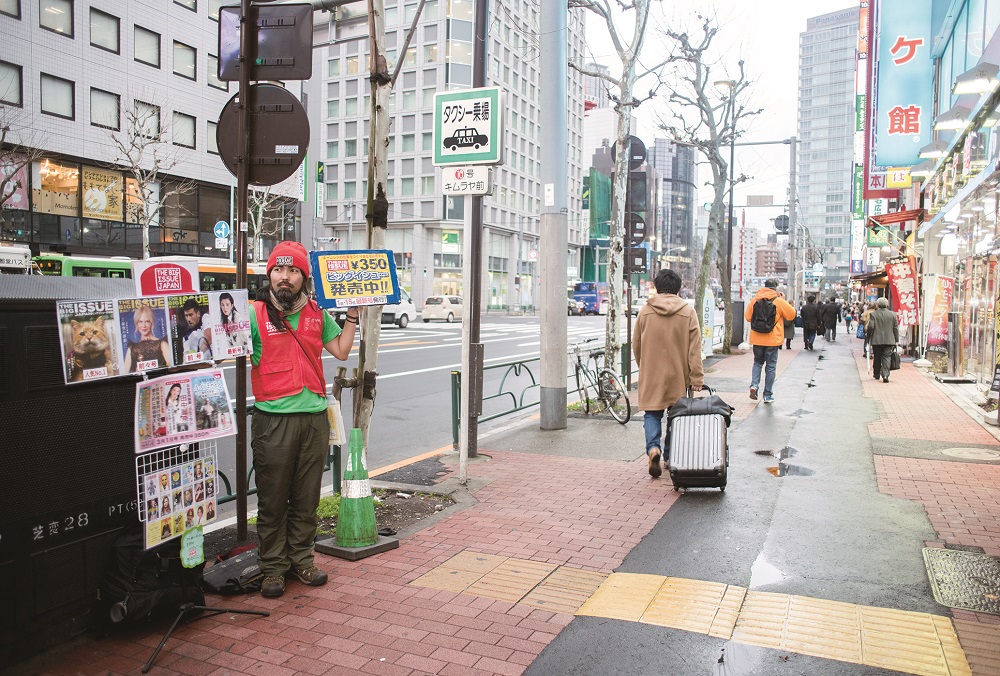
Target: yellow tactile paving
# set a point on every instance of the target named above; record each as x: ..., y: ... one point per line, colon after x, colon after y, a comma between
x: 511, y: 580
x: 623, y: 596
x: 565, y: 590
x: 915, y: 643
x: 693, y: 605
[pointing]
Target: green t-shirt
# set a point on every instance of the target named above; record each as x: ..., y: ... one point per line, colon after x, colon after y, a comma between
x: 305, y: 401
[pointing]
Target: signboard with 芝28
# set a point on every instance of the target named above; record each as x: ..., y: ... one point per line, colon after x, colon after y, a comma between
x: 354, y: 278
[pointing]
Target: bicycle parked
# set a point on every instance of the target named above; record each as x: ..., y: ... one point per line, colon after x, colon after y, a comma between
x: 603, y: 383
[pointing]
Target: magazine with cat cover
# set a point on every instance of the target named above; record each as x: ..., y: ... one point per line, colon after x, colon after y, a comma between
x: 182, y: 408
x: 190, y: 328
x: 145, y: 334
x: 88, y: 335
x: 230, y: 323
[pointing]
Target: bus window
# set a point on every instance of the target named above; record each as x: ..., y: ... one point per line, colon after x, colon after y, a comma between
x: 85, y: 271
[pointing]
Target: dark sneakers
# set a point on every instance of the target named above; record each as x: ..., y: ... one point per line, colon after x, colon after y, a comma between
x: 753, y: 392
x: 312, y: 576
x: 272, y: 587
x: 654, y: 463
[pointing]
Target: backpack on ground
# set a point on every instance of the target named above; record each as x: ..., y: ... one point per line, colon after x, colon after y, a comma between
x: 764, y: 315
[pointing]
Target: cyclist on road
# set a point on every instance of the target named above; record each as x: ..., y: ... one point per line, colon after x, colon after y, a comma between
x: 666, y: 342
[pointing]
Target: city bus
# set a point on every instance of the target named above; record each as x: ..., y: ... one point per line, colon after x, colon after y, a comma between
x: 594, y: 295
x: 215, y: 274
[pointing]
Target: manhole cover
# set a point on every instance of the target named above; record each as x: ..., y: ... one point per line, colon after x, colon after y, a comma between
x: 964, y: 580
x: 972, y: 453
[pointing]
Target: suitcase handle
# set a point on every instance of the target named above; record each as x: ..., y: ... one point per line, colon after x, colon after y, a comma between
x: 704, y: 388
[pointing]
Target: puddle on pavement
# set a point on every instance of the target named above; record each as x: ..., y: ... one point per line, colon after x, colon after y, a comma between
x: 738, y: 659
x: 762, y: 573
x: 780, y: 453
x: 784, y: 469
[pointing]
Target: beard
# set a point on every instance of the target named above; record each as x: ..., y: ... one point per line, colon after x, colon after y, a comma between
x: 284, y: 296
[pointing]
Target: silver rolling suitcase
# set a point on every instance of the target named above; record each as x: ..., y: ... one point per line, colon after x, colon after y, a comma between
x: 699, y: 451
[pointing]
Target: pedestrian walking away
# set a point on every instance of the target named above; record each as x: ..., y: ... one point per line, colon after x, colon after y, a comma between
x: 666, y: 342
x: 789, y: 332
x: 885, y: 334
x: 290, y: 431
x: 767, y: 314
x: 811, y: 321
x: 831, y: 317
x: 865, y: 318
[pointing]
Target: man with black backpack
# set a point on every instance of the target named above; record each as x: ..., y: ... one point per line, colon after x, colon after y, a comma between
x: 767, y: 314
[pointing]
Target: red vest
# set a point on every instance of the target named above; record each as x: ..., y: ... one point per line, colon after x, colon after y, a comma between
x: 284, y: 367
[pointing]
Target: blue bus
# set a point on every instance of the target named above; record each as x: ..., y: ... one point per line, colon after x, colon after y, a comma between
x: 594, y: 295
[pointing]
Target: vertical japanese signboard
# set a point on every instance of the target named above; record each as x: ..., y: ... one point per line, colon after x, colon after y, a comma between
x: 903, y: 83
x: 937, y: 328
x: 903, y: 284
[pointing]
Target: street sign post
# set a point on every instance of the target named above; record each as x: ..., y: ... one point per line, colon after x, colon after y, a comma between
x: 466, y: 180
x: 222, y: 230
x: 282, y: 48
x: 468, y: 127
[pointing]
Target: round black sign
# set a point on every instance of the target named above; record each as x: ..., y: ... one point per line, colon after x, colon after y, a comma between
x: 279, y: 134
x: 636, y: 152
x: 635, y: 228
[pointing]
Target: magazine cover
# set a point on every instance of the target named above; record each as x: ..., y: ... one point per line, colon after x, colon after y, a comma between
x: 178, y: 498
x: 89, y: 339
x: 182, y: 408
x: 144, y: 334
x: 190, y: 328
x: 230, y: 323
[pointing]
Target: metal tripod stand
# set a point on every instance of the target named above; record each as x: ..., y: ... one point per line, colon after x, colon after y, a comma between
x: 186, y: 608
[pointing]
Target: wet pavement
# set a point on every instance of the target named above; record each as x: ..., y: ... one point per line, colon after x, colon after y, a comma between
x: 567, y: 558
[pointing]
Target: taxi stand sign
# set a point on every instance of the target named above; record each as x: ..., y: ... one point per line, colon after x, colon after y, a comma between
x: 468, y: 127
x: 354, y: 278
x: 467, y: 180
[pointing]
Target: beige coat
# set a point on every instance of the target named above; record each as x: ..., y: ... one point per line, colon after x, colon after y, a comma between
x: 666, y: 342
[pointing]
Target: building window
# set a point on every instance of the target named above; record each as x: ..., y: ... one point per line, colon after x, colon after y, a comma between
x: 104, y: 31
x: 11, y: 88
x: 147, y: 120
x: 406, y: 185
x: 350, y: 189
x: 333, y: 108
x: 427, y: 185
x: 185, y: 57
x: 58, y: 97
x: 409, y: 100
x: 183, y: 130
x: 188, y: 4
x: 350, y: 148
x: 105, y: 109
x: 333, y: 68
x: 351, y: 107
x: 409, y: 143
x: 427, y: 141
x: 213, y: 74
x: 213, y: 141
x: 56, y: 16
x: 213, y: 9
x: 332, y: 149
x: 11, y: 8
x: 147, y: 47
x: 352, y: 65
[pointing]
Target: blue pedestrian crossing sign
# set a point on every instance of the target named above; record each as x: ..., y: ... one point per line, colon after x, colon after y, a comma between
x: 222, y: 230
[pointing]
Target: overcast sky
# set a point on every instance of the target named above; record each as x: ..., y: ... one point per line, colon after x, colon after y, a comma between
x: 766, y: 36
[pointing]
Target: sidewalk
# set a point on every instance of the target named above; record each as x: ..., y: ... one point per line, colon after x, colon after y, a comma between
x: 487, y: 587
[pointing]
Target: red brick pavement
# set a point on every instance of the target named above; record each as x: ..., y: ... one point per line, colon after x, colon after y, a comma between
x: 568, y: 511
x: 962, y: 499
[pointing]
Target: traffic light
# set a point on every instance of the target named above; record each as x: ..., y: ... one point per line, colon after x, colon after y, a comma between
x: 781, y: 225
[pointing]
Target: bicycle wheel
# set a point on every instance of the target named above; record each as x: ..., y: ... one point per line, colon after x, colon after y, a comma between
x: 582, y: 378
x: 614, y: 396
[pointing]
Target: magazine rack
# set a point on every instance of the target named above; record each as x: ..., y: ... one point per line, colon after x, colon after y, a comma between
x: 186, y: 608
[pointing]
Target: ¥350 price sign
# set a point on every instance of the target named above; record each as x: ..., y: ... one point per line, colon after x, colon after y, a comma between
x: 468, y: 127
x: 355, y: 278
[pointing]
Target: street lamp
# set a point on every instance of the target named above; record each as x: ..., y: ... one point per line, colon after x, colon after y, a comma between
x: 731, y: 85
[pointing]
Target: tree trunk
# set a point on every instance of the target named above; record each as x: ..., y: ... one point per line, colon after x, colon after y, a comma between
x: 377, y: 213
x: 612, y: 342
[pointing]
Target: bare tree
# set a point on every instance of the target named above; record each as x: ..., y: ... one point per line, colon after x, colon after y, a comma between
x: 710, y: 123
x: 143, y: 147
x: 621, y: 92
x: 268, y: 217
x: 18, y: 150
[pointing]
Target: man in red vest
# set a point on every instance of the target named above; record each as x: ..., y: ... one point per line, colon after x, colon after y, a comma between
x: 290, y: 431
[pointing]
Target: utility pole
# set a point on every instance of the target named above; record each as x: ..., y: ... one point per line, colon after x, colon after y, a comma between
x: 553, y: 227
x: 350, y: 225
x: 792, y: 180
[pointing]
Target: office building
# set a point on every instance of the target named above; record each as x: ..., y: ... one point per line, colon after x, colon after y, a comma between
x: 675, y: 228
x: 826, y: 135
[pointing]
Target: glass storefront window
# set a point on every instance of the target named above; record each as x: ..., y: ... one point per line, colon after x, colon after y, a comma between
x: 56, y: 188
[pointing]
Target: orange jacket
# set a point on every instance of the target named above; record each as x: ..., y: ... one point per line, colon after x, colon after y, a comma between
x: 784, y: 312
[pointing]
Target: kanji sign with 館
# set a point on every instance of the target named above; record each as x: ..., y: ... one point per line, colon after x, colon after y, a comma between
x: 903, y: 283
x: 468, y: 127
x: 353, y: 278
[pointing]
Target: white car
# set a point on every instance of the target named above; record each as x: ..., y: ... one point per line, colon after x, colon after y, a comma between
x: 400, y: 314
x: 448, y: 308
x: 637, y: 304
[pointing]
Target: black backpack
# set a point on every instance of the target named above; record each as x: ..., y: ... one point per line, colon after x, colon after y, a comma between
x: 763, y: 316
x: 140, y: 586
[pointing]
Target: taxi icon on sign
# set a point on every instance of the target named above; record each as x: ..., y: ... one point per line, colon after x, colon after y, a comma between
x: 464, y: 138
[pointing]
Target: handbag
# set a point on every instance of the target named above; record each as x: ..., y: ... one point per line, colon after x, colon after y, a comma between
x: 894, y: 361
x: 860, y: 333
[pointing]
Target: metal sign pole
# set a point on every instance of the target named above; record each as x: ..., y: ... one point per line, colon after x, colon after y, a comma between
x: 240, y: 255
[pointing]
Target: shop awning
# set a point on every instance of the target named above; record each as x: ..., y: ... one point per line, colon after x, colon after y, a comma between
x: 876, y: 278
x: 899, y: 217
